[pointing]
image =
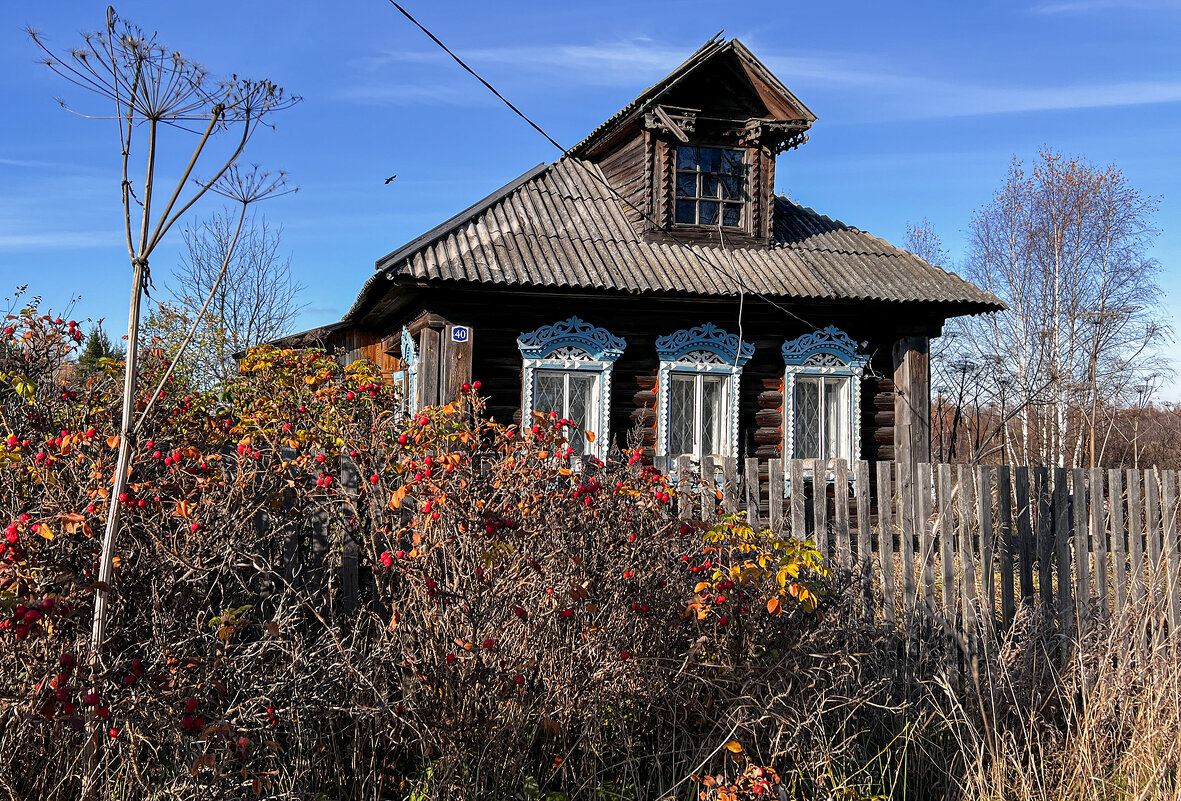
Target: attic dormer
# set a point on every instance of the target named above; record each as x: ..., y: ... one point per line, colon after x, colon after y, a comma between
x: 695, y: 153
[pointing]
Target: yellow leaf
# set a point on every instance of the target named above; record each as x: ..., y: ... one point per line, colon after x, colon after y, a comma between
x: 701, y: 586
x: 734, y: 747
x: 44, y: 531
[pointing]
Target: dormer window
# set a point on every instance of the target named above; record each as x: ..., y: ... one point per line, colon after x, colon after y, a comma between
x: 711, y: 186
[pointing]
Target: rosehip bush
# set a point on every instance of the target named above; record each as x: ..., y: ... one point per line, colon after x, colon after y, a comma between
x: 318, y: 594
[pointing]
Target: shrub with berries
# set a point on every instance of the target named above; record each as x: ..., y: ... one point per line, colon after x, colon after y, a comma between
x: 513, y: 614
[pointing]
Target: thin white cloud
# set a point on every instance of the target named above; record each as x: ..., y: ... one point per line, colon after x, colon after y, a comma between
x: 58, y: 240
x: 1089, y: 6
x: 881, y: 90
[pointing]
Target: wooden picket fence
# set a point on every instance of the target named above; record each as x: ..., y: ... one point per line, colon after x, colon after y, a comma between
x: 964, y: 545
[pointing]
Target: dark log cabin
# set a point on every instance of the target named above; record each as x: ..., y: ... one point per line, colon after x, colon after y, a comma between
x: 650, y: 285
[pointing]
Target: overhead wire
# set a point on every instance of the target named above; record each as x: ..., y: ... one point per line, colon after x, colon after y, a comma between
x: 639, y: 207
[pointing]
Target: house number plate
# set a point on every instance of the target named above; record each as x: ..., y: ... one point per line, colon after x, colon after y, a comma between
x: 460, y: 333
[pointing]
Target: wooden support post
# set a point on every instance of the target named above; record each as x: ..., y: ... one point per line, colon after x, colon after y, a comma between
x: 840, y: 500
x: 912, y: 401
x: 429, y: 357
x: 1004, y: 506
x: 886, y: 541
x: 455, y: 364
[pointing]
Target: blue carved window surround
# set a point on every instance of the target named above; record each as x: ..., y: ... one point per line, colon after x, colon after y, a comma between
x: 825, y: 358
x: 573, y: 347
x: 409, y: 372
x: 717, y: 357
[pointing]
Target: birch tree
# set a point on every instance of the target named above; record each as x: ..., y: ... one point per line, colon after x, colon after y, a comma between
x: 1066, y: 245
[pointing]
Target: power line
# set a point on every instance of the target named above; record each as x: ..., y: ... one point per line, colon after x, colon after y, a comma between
x: 601, y: 181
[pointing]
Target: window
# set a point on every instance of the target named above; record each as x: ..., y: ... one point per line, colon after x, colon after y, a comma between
x: 568, y: 372
x: 697, y: 392
x: 711, y: 184
x: 572, y: 395
x: 821, y: 417
x: 822, y: 396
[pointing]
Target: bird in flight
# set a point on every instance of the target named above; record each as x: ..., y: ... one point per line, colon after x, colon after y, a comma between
x: 392, y: 177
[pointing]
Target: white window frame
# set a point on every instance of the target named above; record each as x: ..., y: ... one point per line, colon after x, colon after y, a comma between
x: 845, y: 446
x: 825, y: 353
x: 702, y: 350
x: 573, y: 345
x: 410, y: 373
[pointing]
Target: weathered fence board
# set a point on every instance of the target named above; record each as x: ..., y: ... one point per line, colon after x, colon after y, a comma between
x: 1005, y: 523
x: 886, y: 539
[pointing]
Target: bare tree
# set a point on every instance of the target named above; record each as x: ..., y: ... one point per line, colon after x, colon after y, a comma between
x: 154, y: 92
x: 257, y: 299
x: 1066, y: 247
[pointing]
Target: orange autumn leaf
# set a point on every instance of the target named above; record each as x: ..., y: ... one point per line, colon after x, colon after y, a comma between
x: 774, y: 606
x: 113, y: 442
x: 44, y: 531
x: 734, y: 747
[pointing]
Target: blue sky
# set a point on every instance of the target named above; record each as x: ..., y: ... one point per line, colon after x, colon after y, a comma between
x: 920, y: 105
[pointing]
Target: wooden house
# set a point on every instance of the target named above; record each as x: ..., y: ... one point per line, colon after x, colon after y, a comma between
x: 651, y: 284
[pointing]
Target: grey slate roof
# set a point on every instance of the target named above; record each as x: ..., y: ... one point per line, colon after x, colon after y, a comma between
x: 560, y: 226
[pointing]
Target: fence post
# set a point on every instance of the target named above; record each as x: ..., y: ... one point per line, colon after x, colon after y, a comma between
x: 840, y: 505
x: 708, y: 502
x: 350, y: 551
x: 1045, y: 544
x: 886, y: 540
x: 947, y: 543
x: 968, y: 561
x: 1115, y: 489
x: 1082, y: 560
x: 775, y: 494
x: 1062, y: 550
x: 864, y: 539
x: 987, y: 569
x: 1136, y: 535
x: 820, y: 506
x: 926, y: 522
x: 799, y: 525
x: 750, y: 480
x: 730, y: 484
x: 907, y: 510
x: 1098, y: 537
x: 1172, y: 557
x: 1004, y: 507
x: 1024, y: 533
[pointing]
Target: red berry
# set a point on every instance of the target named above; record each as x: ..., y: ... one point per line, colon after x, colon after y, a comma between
x: 520, y: 680
x: 191, y: 704
x: 91, y: 699
x: 489, y: 643
x: 625, y: 656
x: 451, y: 659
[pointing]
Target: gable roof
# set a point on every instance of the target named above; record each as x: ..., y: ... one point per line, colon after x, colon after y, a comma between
x: 560, y: 226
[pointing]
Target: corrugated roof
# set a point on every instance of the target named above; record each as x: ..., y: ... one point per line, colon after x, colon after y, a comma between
x: 562, y: 227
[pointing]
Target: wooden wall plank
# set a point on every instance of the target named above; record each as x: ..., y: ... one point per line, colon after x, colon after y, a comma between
x: 1024, y: 532
x: 1115, y: 490
x: 886, y: 540
x: 1096, y: 495
x: 840, y: 495
x: 1004, y: 503
x: 1135, y: 536
x: 947, y: 543
x: 429, y: 358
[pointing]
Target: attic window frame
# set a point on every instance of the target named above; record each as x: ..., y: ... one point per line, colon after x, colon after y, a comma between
x: 744, y: 204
